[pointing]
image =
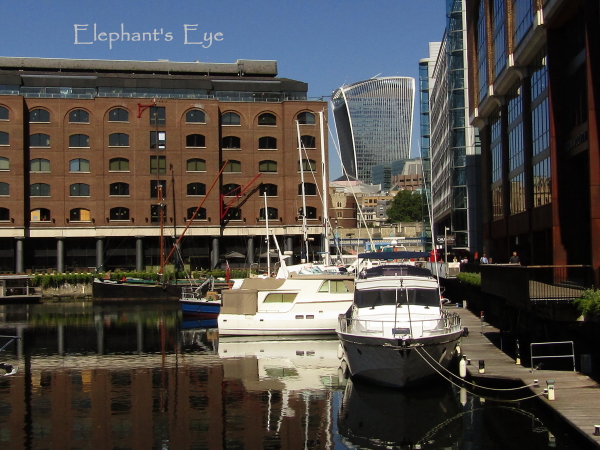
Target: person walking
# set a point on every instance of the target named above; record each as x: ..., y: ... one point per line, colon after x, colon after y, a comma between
x: 483, y: 260
x: 514, y: 259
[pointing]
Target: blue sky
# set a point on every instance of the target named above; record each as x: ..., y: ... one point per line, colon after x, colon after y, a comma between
x: 325, y: 43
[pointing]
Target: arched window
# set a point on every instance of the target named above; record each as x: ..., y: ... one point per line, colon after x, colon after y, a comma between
x: 231, y: 190
x: 79, y: 140
x: 39, y: 140
x: 309, y: 189
x: 267, y: 166
x: 231, y: 143
x: 118, y: 140
x: 306, y: 118
x: 79, y: 190
x: 272, y: 212
x: 233, y: 166
x: 4, y: 163
x: 79, y: 165
x: 233, y: 214
x: 200, y: 216
x: 308, y: 141
x: 39, y: 165
x: 119, y: 213
x: 267, y: 119
x: 4, y: 138
x: 39, y: 115
x: 308, y: 165
x: 230, y: 118
x: 267, y: 143
x: 196, y: 189
x: 4, y: 188
x: 79, y: 215
x: 118, y: 115
x: 195, y: 140
x: 4, y: 214
x: 40, y: 215
x: 196, y: 165
x: 3, y: 113
x: 39, y: 190
x: 195, y: 116
x: 268, y: 189
x: 119, y: 189
x: 118, y: 165
x: 311, y: 212
x: 79, y: 116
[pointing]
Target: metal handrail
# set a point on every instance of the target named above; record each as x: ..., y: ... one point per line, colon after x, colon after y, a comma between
x: 446, y: 324
x: 572, y: 355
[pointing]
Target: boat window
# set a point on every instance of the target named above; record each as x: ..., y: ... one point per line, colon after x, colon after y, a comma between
x: 423, y: 297
x: 334, y: 287
x: 280, y: 298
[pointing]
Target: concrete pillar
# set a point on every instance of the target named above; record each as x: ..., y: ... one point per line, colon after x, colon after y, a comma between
x: 60, y: 255
x: 214, y: 257
x: 139, y: 253
x: 250, y: 251
x: 19, y: 266
x: 100, y: 254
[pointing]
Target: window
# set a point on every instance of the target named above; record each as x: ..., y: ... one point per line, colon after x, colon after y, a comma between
x: 230, y: 118
x: 200, y: 216
x: 158, y: 164
x: 39, y: 140
x: 79, y: 165
x: 308, y: 165
x: 195, y: 140
x: 308, y: 141
x: 40, y: 215
x: 3, y: 113
x: 157, y: 115
x: 79, y: 215
x: 334, y: 287
x: 4, y: 188
x: 272, y: 212
x: 39, y: 115
x: 231, y: 190
x: 118, y: 115
x: 281, y: 298
x: 311, y: 212
x: 196, y: 165
x: 119, y: 189
x: 3, y: 138
x: 154, y: 184
x: 119, y: 213
x: 233, y: 166
x: 4, y: 214
x: 155, y: 213
x: 39, y: 165
x: 4, y: 163
x: 233, y: 213
x: 162, y: 139
x: 79, y: 116
x: 310, y: 189
x: 118, y: 140
x: 306, y: 118
x: 267, y: 166
x: 267, y: 119
x: 270, y: 190
x: 79, y: 140
x: 267, y: 143
x: 39, y: 190
x: 195, y: 116
x: 196, y: 189
x: 79, y: 190
x: 118, y: 165
x: 542, y: 183
x: 231, y: 143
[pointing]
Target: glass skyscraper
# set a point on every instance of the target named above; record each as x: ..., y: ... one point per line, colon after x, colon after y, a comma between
x: 373, y: 119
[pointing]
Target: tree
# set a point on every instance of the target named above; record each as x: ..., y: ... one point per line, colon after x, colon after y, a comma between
x: 407, y: 206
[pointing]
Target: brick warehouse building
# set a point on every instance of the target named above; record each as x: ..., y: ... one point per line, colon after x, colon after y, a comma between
x: 80, y: 162
x: 534, y: 69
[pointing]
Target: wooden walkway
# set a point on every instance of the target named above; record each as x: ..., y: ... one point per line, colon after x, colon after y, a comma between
x: 577, y: 395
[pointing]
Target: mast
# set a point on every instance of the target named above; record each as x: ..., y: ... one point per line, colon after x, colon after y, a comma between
x: 304, y: 230
x: 268, y: 238
x: 325, y: 241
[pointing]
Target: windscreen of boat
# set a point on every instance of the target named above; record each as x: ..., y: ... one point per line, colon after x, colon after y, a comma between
x: 378, y: 297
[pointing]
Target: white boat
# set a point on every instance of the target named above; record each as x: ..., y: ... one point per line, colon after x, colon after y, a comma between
x: 296, y: 305
x: 396, y: 333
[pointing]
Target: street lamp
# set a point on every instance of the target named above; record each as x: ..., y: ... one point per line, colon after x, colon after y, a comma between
x: 446, y: 229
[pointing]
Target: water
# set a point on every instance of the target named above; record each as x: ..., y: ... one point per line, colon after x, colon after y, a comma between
x: 139, y: 377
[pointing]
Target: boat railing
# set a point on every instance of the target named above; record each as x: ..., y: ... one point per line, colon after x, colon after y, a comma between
x: 448, y: 323
x: 189, y: 293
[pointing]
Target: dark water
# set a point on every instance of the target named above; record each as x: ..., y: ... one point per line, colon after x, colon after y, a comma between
x: 139, y: 377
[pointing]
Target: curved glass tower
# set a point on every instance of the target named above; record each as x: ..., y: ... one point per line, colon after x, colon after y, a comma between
x: 373, y: 119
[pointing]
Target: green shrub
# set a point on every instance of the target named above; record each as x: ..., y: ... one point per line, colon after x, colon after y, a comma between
x: 473, y: 279
x: 589, y: 303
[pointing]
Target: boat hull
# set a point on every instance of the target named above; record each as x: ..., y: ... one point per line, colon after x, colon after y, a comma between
x: 204, y: 309
x: 388, y: 362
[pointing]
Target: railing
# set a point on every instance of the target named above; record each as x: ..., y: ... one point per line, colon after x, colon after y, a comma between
x: 563, y: 343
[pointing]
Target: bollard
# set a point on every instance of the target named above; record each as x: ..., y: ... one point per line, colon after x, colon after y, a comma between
x: 551, y: 440
x: 518, y: 352
x: 464, y: 304
x: 551, y: 393
x: 482, y: 317
x: 481, y: 366
x: 596, y: 430
x: 535, y: 383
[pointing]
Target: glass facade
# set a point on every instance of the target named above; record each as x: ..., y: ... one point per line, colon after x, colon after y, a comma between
x: 482, y: 52
x: 425, y: 147
x: 523, y: 19
x: 499, y: 36
x: 540, y: 131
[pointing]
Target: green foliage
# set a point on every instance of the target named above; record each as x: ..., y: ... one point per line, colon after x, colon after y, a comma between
x: 407, y: 206
x: 589, y: 303
x: 58, y: 279
x: 473, y: 279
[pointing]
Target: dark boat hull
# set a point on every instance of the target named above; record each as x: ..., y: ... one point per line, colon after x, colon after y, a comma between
x: 123, y: 291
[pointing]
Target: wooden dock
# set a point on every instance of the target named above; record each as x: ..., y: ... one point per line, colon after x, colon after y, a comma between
x: 577, y: 396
